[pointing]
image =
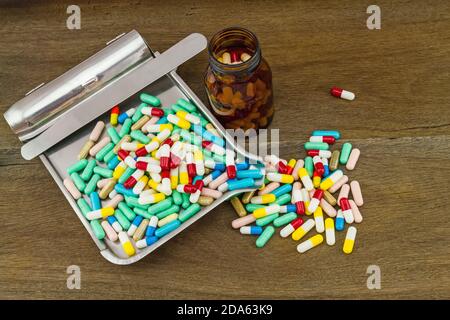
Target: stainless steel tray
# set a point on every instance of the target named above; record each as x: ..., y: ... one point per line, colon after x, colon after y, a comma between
x: 168, y: 89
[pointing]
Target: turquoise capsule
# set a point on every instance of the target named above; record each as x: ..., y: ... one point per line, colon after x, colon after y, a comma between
x: 189, y: 107
x: 78, y: 166
x: 133, y: 202
x: 316, y: 146
x: 284, y: 199
x: 309, y: 166
x: 285, y: 219
x: 267, y: 220
x: 88, y: 170
x: 252, y: 173
x: 189, y: 212
x: 332, y: 133
x: 126, y: 210
x: 186, y: 203
x: 84, y: 206
x: 140, y: 136
x: 91, y: 186
x: 265, y: 236
x: 104, y: 151
x: 148, y: 98
x: 176, y: 108
x: 168, y: 111
x: 285, y: 188
x: 112, y: 133
x: 109, y: 156
x: 345, y: 152
x: 122, y: 219
x: 240, y: 184
x: 104, y: 172
x: 250, y: 207
x: 143, y: 213
x: 167, y: 228
x: 79, y: 183
x: 172, y: 209
x: 97, y: 229
x: 177, y: 198
x: 160, y: 206
x: 138, y: 114
x: 126, y: 128
x: 127, y: 173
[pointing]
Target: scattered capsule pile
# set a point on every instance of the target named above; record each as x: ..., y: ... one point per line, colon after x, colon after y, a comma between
x: 295, y: 190
x: 152, y: 171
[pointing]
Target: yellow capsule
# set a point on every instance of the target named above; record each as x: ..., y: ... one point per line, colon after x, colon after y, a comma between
x: 205, y: 201
x: 247, y: 196
x: 329, y: 198
x: 107, y: 211
x: 184, y: 178
x: 166, y: 220
x: 316, y: 181
x: 304, y: 229
x: 164, y: 126
x: 173, y: 182
x: 198, y: 155
x: 302, y: 172
x: 307, y: 212
x: 152, y: 184
x: 349, y: 240
x: 126, y: 244
x: 292, y: 163
x: 310, y: 243
x: 264, y: 199
x: 154, y: 154
x: 113, y: 119
x: 238, y: 207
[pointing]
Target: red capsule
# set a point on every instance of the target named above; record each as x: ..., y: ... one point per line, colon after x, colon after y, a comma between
x: 199, y: 184
x: 235, y: 56
x: 115, y: 110
x: 231, y: 171
x: 297, y: 223
x: 345, y: 204
x: 141, y: 165
x: 168, y: 141
x: 189, y: 188
x: 300, y: 206
x: 192, y: 170
x: 165, y: 174
x: 282, y: 168
x: 141, y: 152
x: 318, y: 194
x: 122, y: 154
x: 131, y: 181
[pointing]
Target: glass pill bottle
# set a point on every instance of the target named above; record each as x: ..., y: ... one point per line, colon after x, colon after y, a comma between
x: 238, y: 80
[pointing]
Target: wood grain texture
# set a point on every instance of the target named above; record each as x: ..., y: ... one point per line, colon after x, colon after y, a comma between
x: 400, y: 121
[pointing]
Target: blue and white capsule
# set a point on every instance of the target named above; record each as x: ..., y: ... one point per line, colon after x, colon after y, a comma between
x: 251, y: 230
x: 147, y: 241
x: 152, y: 225
x: 134, y: 225
x: 125, y: 115
x: 340, y: 221
x: 114, y: 223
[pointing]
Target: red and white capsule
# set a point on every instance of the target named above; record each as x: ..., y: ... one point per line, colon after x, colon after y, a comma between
x: 150, y: 166
x: 177, y: 153
x: 346, y: 210
x: 326, y: 139
x: 133, y: 179
x: 125, y: 156
x: 341, y: 93
x: 320, y: 153
x: 315, y: 200
x: 230, y: 164
x: 164, y: 157
x: 191, y: 168
x: 154, y: 112
x: 318, y: 165
x: 208, y: 145
x: 291, y: 227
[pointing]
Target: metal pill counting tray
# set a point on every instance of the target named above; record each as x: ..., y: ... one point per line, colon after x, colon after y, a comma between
x: 54, y: 120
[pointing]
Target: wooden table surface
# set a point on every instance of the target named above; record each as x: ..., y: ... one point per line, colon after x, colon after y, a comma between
x: 400, y: 120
